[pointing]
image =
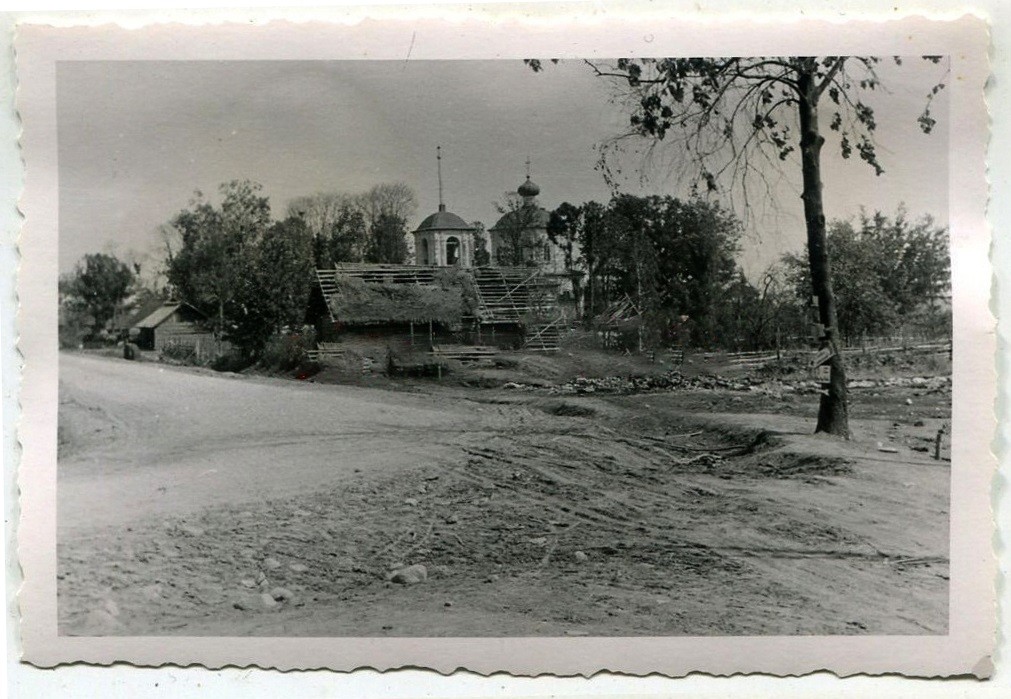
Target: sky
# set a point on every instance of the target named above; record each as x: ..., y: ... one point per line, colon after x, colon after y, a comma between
x: 136, y: 138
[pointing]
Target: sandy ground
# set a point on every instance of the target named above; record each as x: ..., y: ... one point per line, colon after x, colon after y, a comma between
x: 195, y: 503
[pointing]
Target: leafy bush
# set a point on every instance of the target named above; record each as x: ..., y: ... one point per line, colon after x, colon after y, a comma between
x: 455, y: 278
x: 308, y: 369
x: 179, y: 353
x: 886, y: 272
x: 288, y: 351
x: 71, y: 335
x: 231, y: 361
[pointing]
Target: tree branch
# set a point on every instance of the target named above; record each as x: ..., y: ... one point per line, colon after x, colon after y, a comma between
x: 829, y: 77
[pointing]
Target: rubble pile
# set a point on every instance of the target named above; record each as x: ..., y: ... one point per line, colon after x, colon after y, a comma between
x: 676, y: 381
x: 672, y: 380
x: 925, y: 383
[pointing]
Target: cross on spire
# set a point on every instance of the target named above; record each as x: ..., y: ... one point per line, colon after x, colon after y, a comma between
x: 438, y: 161
x: 528, y: 167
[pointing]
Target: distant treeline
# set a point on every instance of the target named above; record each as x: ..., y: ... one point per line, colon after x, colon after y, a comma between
x: 673, y: 261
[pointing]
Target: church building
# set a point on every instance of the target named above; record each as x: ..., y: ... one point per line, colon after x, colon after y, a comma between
x: 520, y: 237
x: 511, y: 303
x: 444, y: 239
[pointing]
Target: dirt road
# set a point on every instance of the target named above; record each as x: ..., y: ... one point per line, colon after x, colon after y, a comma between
x: 162, y: 440
x: 193, y: 503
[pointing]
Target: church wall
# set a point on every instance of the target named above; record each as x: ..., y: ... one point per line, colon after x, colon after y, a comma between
x: 437, y: 247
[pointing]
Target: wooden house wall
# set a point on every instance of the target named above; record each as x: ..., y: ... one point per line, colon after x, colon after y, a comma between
x: 505, y: 336
x: 376, y: 341
x: 180, y: 330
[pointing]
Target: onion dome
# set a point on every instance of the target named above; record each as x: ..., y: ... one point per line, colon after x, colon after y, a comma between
x: 528, y: 189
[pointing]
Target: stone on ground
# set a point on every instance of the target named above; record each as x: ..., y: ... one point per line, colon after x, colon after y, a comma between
x: 281, y: 594
x: 410, y: 575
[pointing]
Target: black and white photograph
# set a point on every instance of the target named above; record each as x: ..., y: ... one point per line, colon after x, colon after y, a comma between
x: 504, y: 348
x: 627, y: 347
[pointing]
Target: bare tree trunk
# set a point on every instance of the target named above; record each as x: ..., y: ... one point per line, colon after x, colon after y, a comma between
x: 832, y: 413
x: 638, y: 291
x: 578, y: 297
x: 591, y: 284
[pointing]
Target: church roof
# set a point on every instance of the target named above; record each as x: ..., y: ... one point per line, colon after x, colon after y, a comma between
x: 528, y: 189
x: 538, y: 218
x: 443, y: 220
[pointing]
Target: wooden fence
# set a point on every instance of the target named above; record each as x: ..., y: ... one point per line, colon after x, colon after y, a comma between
x: 753, y: 360
x: 325, y: 350
x: 199, y: 347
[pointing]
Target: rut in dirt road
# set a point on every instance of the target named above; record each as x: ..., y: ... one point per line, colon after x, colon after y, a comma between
x: 529, y: 520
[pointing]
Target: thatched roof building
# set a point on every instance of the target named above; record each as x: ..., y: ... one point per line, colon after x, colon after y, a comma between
x: 360, y: 303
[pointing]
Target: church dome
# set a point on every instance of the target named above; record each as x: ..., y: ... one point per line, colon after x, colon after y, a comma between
x: 528, y: 189
x: 528, y: 220
x: 443, y: 220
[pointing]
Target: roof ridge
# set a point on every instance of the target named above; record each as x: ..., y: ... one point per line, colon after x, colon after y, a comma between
x: 444, y: 220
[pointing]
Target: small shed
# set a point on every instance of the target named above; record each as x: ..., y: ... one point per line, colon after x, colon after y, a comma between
x: 173, y: 321
x: 136, y: 310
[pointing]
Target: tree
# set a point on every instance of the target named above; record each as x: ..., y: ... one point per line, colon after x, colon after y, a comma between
x: 729, y: 115
x: 675, y: 257
x: 777, y: 316
x: 392, y: 199
x: 886, y: 271
x: 482, y: 257
x: 516, y: 228
x: 591, y: 230
x: 566, y: 232
x: 388, y: 243
x: 635, y: 265
x: 210, y: 264
x: 274, y: 290
x: 761, y: 316
x: 696, y: 244
x: 913, y: 262
x: 382, y: 207
x: 337, y: 226
x: 96, y: 288
x: 370, y: 226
